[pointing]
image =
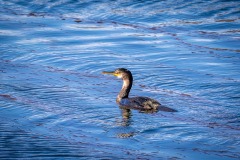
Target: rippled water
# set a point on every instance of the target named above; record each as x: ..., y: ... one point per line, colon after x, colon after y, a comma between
x: 54, y: 102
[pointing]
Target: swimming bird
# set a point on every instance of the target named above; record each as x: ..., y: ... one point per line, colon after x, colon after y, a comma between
x: 144, y: 104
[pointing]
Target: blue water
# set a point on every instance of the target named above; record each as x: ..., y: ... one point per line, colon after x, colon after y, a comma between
x: 56, y: 104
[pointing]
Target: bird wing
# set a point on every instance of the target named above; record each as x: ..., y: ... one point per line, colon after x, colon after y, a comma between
x: 144, y: 104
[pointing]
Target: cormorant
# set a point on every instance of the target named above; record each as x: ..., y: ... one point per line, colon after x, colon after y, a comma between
x: 144, y: 104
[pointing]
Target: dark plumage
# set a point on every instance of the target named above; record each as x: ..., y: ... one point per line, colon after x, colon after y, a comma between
x: 140, y: 103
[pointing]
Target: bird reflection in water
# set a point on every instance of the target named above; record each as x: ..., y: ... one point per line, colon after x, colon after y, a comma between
x: 126, y: 122
x: 126, y: 117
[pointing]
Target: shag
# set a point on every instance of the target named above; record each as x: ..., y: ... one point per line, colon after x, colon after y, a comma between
x: 143, y: 104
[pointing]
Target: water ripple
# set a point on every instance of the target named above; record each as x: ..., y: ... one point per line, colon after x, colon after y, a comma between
x: 55, y: 102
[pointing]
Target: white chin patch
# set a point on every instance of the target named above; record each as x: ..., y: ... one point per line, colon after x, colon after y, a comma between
x: 120, y: 76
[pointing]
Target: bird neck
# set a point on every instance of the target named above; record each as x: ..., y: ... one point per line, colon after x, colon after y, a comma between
x: 126, y: 87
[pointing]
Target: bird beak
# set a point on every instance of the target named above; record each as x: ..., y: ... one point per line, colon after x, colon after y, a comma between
x: 111, y: 73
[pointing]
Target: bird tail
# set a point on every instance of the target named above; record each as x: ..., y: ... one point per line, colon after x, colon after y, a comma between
x: 166, y: 109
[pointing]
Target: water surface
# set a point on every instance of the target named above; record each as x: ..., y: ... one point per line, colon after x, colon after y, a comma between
x: 55, y: 103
